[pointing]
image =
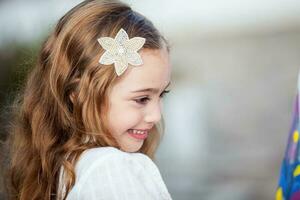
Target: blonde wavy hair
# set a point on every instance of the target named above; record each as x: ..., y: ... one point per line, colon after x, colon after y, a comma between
x: 61, y: 110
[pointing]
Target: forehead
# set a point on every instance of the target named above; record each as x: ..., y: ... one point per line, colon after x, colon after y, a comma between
x: 155, y: 71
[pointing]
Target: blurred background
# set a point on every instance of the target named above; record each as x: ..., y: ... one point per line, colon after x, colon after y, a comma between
x: 235, y: 67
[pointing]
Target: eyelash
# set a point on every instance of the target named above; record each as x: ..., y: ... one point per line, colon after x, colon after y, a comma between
x: 144, y: 100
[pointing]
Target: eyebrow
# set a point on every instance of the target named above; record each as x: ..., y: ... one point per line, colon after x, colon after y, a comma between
x: 152, y: 90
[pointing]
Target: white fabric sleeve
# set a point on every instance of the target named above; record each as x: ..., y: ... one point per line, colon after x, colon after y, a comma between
x: 122, y: 176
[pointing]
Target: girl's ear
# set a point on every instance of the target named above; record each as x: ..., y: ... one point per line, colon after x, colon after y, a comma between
x: 72, y: 97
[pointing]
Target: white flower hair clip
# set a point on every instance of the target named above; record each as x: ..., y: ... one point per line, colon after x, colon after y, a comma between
x: 121, y: 51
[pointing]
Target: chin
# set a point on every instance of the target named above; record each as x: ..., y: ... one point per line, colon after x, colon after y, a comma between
x: 133, y: 148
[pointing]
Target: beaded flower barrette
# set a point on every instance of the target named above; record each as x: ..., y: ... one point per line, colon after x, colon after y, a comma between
x: 121, y: 51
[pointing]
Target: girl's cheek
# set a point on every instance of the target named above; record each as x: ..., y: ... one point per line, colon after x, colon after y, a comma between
x: 136, y: 114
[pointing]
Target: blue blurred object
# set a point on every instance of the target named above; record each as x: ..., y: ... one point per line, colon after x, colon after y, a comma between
x: 289, y: 182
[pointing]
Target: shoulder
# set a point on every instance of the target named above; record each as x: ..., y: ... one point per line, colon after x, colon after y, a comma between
x: 103, y: 160
x: 97, y: 157
x: 109, y: 173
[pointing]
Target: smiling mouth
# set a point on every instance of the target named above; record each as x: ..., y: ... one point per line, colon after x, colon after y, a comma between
x: 135, y: 131
x: 138, y: 134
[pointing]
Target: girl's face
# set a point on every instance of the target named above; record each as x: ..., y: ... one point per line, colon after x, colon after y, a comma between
x: 136, y: 99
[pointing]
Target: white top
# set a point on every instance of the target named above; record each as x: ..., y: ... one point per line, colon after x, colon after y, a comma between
x: 106, y: 173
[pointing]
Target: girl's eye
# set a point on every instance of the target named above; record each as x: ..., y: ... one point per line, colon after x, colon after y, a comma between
x: 164, y: 93
x: 142, y: 100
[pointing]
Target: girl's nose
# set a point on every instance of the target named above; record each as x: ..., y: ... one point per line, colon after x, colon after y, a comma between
x: 153, y: 113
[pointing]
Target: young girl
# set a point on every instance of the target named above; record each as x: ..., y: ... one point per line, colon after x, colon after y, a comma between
x: 87, y: 123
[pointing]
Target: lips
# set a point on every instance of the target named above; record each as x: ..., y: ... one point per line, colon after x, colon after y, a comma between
x: 139, y: 134
x: 138, y: 131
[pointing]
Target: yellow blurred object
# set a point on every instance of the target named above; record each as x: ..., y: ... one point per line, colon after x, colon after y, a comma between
x: 297, y: 171
x: 296, y: 136
x: 279, y: 195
